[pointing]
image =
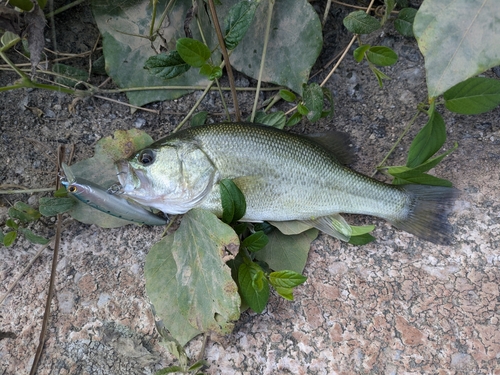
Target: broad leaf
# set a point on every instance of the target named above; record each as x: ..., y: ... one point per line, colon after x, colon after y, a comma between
x: 9, y: 238
x: 192, y: 51
x: 295, y: 42
x: 359, y: 53
x: 166, y: 66
x: 359, y: 22
x: 233, y: 201
x: 125, y: 28
x: 287, y: 95
x: 473, y: 96
x: 256, y: 241
x: 54, y: 206
x: 237, y: 22
x: 70, y: 76
x: 188, y: 283
x: 254, y: 287
x: 382, y: 56
x: 287, y: 252
x: 286, y: 279
x: 33, y: 238
x: 428, y: 141
x: 404, y: 22
x: 275, y: 119
x: 459, y: 40
x: 313, y: 100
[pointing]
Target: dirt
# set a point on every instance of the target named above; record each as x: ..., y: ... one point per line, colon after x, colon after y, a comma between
x: 397, y: 305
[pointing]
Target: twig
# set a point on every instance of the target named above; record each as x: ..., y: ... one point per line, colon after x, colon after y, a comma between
x: 50, y: 293
x: 327, y: 10
x: 263, y: 59
x: 191, y: 111
x: 229, y: 70
x: 26, y: 191
x: 127, y: 104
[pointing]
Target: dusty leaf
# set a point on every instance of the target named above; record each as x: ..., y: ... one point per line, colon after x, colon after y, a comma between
x: 458, y: 38
x: 188, y: 283
x: 35, y: 23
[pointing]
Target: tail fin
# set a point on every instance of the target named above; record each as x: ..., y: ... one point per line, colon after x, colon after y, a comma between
x: 426, y: 216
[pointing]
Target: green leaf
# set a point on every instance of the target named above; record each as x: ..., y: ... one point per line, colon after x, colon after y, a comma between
x: 459, y: 40
x: 61, y: 192
x: 19, y: 215
x: 359, y: 22
x: 287, y: 95
x: 313, y: 100
x: 379, y: 75
x: 327, y: 94
x: 197, y: 365
x: 25, y: 211
x: 237, y: 21
x: 286, y: 279
x: 302, y: 109
x: 359, y: 53
x: 9, y: 40
x: 389, y: 7
x: 169, y: 370
x: 361, y: 230
x: 295, y: 42
x: 255, y: 241
x: 294, y: 119
x: 54, y: 206
x: 11, y: 224
x: 287, y: 252
x: 192, y: 51
x: 428, y: 140
x: 199, y: 118
x: 72, y: 75
x: 382, y: 56
x: 286, y: 293
x: 2, y: 236
x: 32, y: 237
x: 125, y: 28
x: 361, y: 239
x: 275, y: 119
x: 210, y: 71
x: 404, y: 22
x: 9, y: 238
x: 254, y: 287
x: 166, y: 66
x: 233, y: 202
x: 187, y: 282
x: 473, y: 96
x: 422, y: 179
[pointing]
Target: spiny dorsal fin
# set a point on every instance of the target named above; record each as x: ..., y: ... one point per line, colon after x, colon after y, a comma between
x: 336, y: 143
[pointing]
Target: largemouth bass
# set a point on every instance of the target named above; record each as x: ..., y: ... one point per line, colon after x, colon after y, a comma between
x: 115, y: 205
x: 283, y: 176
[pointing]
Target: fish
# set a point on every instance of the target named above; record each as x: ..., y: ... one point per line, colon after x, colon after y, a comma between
x: 284, y: 177
x: 97, y: 197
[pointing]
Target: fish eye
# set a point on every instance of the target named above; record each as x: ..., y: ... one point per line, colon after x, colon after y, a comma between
x: 146, y: 157
x: 72, y: 189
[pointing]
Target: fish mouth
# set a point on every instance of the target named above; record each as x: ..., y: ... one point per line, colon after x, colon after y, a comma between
x: 130, y: 180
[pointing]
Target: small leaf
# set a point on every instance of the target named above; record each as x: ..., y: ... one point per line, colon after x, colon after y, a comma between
x: 360, y: 230
x: 54, y: 206
x: 379, y: 75
x: 275, y: 119
x: 327, y: 94
x: 24, y: 212
x: 11, y: 224
x: 313, y: 99
x: 210, y: 71
x: 61, y: 192
x: 294, y: 119
x: 359, y: 22
x: 254, y: 287
x: 233, y: 201
x: 302, y: 109
x: 193, y: 52
x: 9, y: 238
x: 428, y: 140
x: 199, y: 118
x: 237, y: 21
x: 361, y: 239
x: 381, y: 56
x: 286, y: 279
x: 169, y: 370
x: 255, y: 241
x: 389, y: 7
x: 287, y: 95
x: 404, y: 22
x: 359, y: 53
x: 72, y: 75
x: 422, y: 179
x: 32, y: 237
x: 166, y: 66
x: 473, y: 96
x: 197, y: 365
x: 286, y: 293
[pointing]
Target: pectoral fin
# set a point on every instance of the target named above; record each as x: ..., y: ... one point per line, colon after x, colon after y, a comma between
x: 334, y: 225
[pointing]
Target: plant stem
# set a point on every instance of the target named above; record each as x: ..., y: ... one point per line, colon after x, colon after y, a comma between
x: 263, y: 59
x: 26, y: 191
x: 191, y: 111
x: 64, y: 8
x: 407, y: 128
x: 229, y: 70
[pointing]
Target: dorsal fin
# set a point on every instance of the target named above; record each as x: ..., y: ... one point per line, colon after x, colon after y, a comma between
x: 337, y: 143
